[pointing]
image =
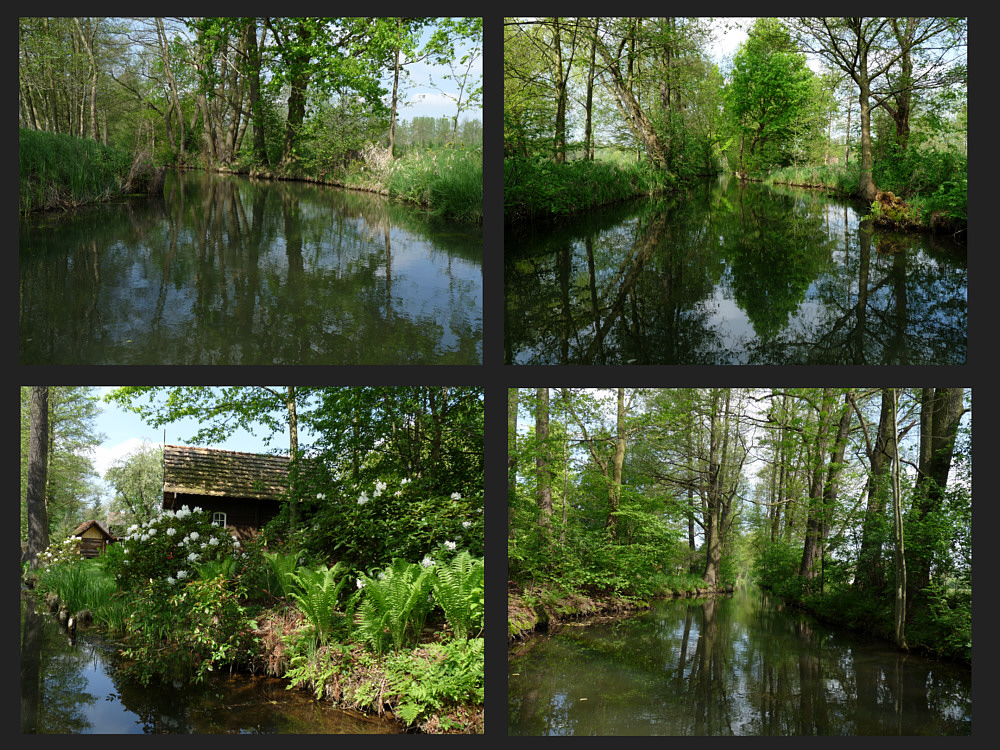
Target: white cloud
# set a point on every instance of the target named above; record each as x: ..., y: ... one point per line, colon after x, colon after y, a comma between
x: 106, y: 455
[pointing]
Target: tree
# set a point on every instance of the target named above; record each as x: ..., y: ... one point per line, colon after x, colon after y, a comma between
x: 38, y: 455
x: 770, y: 92
x: 137, y: 480
x: 868, y: 51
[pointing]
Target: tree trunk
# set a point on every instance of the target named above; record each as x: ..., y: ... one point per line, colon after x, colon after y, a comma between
x: 512, y: 394
x: 38, y: 459
x: 543, y: 460
x: 940, y: 413
x: 615, y: 491
x: 897, y: 525
x: 256, y: 105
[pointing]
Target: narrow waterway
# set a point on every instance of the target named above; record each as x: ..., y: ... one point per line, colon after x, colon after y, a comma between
x: 227, y: 270
x: 70, y: 686
x: 733, y: 665
x: 732, y: 273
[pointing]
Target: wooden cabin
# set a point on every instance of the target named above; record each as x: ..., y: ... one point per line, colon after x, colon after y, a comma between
x: 94, y: 538
x: 242, y: 491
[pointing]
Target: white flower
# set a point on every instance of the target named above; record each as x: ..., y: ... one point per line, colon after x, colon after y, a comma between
x: 399, y: 493
x: 361, y: 584
x: 466, y: 524
x: 450, y: 545
x: 427, y: 562
x: 181, y: 574
x: 193, y: 557
x: 171, y: 531
x: 320, y: 496
x: 213, y: 541
x: 194, y: 535
x: 364, y: 498
x: 236, y: 544
x: 455, y: 496
x: 379, y: 488
x: 152, y: 532
x: 197, y: 509
x: 404, y: 481
x: 171, y: 579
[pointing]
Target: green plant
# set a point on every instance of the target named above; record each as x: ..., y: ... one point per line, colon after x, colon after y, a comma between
x: 170, y: 547
x: 282, y: 566
x: 395, y: 604
x: 431, y: 677
x: 458, y: 588
x: 318, y: 597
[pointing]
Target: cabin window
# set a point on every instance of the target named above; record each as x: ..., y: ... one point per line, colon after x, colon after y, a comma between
x: 219, y: 519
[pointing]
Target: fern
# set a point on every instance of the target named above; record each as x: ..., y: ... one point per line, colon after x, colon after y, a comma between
x: 283, y: 567
x: 459, y: 588
x: 395, y: 605
x: 318, y: 595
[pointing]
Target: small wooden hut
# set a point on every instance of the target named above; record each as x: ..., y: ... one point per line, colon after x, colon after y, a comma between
x: 94, y: 538
x: 242, y: 491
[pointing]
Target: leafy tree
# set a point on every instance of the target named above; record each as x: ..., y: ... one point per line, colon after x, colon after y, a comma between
x: 137, y: 480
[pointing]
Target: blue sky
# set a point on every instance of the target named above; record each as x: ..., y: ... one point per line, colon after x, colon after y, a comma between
x: 423, y: 100
x: 125, y: 432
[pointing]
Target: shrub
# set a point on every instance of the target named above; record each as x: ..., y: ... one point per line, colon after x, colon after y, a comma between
x: 318, y: 597
x: 170, y: 548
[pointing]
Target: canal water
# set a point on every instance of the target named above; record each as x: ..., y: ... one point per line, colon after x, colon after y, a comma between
x: 732, y: 274
x: 227, y: 270
x: 735, y: 665
x: 73, y: 688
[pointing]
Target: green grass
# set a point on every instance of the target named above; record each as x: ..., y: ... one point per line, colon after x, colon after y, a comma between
x: 537, y: 187
x: 449, y: 181
x: 60, y: 171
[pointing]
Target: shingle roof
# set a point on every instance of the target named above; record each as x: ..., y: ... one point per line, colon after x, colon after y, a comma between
x: 87, y: 524
x: 207, y: 471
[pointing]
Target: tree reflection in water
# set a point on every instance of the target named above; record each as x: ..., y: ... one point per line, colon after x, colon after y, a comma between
x: 732, y: 274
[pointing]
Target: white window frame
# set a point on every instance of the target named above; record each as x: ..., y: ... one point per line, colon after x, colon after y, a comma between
x: 219, y: 516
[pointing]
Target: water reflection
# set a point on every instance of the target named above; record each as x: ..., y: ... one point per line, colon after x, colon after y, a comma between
x: 70, y: 687
x: 732, y: 275
x: 729, y: 666
x: 225, y: 270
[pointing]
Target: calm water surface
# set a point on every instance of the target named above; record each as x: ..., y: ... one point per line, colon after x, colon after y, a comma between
x: 73, y: 689
x: 732, y: 274
x: 738, y: 665
x: 228, y: 270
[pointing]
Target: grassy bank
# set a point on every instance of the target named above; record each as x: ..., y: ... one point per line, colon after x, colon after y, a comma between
x: 405, y: 640
x: 61, y: 172
x: 536, y: 606
x: 931, y: 189
x: 538, y: 188
x: 447, y: 181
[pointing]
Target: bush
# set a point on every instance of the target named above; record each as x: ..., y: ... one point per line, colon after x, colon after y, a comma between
x: 395, y: 604
x: 459, y: 588
x: 170, y: 548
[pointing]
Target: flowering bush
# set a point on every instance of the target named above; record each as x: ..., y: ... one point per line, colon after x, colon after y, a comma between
x: 170, y: 548
x: 64, y: 552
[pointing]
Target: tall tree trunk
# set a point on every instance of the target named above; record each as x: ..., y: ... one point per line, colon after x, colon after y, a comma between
x: 38, y: 461
x: 940, y: 413
x: 256, y: 104
x: 512, y: 395
x: 588, y: 130
x: 897, y: 526
x: 543, y: 460
x: 870, y: 573
x: 615, y: 491
x: 718, y: 446
x: 814, y: 517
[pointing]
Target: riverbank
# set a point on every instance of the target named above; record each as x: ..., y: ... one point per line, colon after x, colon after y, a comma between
x: 61, y: 172
x: 854, y: 613
x: 536, y: 608
x: 914, y: 206
x: 345, y: 675
x: 446, y: 181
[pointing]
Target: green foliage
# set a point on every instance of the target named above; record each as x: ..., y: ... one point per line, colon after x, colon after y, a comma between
x: 537, y: 187
x: 429, y: 678
x: 188, y: 630
x: 281, y: 567
x: 169, y: 547
x: 318, y: 597
x: 395, y: 604
x: 776, y: 569
x: 449, y: 181
x: 64, y: 552
x: 60, y: 171
x: 459, y: 589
